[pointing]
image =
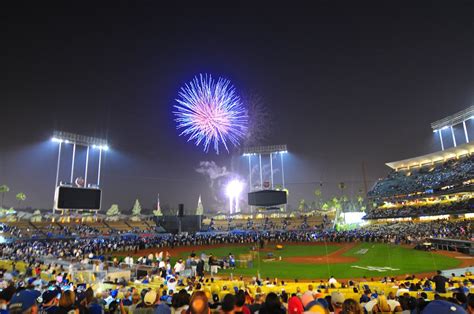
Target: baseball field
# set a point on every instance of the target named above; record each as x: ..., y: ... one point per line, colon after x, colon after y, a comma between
x: 320, y: 260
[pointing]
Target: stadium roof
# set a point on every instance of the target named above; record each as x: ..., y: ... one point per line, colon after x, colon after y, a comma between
x: 433, y: 158
x: 270, y: 149
x: 458, y: 117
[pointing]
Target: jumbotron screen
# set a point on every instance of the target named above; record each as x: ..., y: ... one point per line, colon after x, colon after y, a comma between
x: 78, y: 198
x: 267, y: 198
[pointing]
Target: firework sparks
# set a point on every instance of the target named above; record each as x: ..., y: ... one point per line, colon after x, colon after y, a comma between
x: 210, y: 112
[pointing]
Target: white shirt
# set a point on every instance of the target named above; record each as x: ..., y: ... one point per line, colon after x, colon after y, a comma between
x: 401, y: 291
x: 393, y: 304
x: 370, y: 305
x: 178, y: 267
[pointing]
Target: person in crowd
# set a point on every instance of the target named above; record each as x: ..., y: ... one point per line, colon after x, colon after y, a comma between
x: 198, y: 304
x: 440, y: 282
x: 272, y: 305
x: 24, y: 301
x: 67, y: 303
x: 5, y: 296
x: 295, y: 306
x: 49, y: 302
x: 351, y: 306
x: 442, y: 307
x: 240, y: 307
x: 337, y: 299
x: 382, y: 305
x: 180, y: 302
x: 257, y: 303
x: 470, y: 303
x: 228, y: 304
x: 393, y: 303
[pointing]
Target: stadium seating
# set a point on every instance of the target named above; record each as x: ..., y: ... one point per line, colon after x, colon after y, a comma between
x: 429, y: 179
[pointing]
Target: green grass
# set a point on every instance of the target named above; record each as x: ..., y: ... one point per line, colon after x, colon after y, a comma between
x: 407, y: 261
x: 289, y: 250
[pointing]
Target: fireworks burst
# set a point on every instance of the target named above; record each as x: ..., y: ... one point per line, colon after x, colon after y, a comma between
x: 211, y: 112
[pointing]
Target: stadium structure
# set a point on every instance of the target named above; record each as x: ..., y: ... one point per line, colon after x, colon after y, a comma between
x: 419, y: 222
x: 438, y: 185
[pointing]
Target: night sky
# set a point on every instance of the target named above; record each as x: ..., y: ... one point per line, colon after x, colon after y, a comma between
x: 346, y: 82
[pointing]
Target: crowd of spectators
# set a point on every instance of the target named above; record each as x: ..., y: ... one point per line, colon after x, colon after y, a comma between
x: 432, y: 178
x: 457, y: 207
x: 300, y: 222
x: 78, y: 248
x: 27, y: 292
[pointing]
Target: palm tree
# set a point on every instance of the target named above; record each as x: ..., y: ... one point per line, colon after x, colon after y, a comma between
x: 20, y: 198
x: 317, y: 194
x: 341, y: 187
x: 302, y: 206
x: 4, y: 189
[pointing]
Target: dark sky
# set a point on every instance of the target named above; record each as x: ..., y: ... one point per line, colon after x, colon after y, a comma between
x: 346, y: 81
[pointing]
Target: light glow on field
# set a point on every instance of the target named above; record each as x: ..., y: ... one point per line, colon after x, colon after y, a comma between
x: 354, y: 218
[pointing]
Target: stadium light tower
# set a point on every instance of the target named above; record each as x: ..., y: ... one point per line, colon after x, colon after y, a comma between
x: 449, y: 123
x: 81, y: 140
x: 271, y: 151
x: 233, y: 190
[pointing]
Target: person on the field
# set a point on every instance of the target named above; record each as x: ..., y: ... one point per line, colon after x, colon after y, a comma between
x: 214, y: 265
x: 231, y: 261
x: 193, y: 265
x: 200, y: 268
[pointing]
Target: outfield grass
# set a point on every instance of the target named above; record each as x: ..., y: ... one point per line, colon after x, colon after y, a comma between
x: 404, y: 260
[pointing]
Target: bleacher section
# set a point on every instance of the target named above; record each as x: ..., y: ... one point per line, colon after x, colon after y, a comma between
x: 73, y: 227
x: 436, y: 184
x: 259, y: 222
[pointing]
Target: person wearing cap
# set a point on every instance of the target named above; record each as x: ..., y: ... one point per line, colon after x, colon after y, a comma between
x: 49, y: 303
x: 151, y: 305
x: 295, y: 306
x: 24, y: 301
x: 442, y: 307
x: 365, y: 297
x: 337, y: 299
